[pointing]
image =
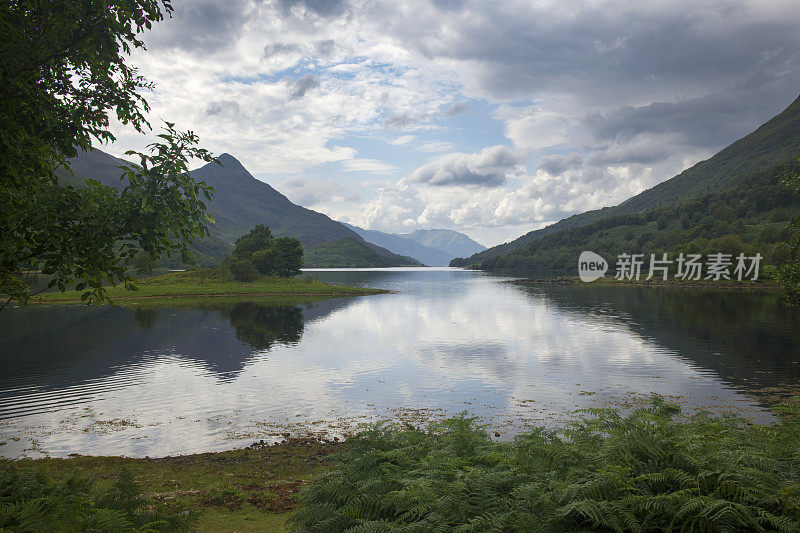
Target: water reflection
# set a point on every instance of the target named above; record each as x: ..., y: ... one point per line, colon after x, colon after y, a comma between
x: 749, y: 339
x: 48, y: 348
x: 172, y: 380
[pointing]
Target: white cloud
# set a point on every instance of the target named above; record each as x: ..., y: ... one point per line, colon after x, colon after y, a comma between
x: 403, y: 140
x: 487, y: 168
x: 607, y: 97
x: 311, y: 193
x: 373, y: 166
x: 437, y: 146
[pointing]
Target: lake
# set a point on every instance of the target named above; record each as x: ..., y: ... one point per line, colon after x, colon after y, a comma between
x: 158, y: 381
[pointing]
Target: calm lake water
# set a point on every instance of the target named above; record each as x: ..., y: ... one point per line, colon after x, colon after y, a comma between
x: 171, y: 380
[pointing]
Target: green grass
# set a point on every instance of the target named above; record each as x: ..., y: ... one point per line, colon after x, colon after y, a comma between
x: 203, y: 283
x: 252, y: 489
x: 651, y: 470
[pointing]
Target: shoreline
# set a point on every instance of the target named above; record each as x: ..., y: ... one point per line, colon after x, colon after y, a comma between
x: 211, y: 284
x: 757, y: 286
x: 244, y: 489
x: 257, y: 488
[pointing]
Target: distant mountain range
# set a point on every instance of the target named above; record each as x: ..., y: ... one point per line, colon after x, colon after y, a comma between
x: 350, y: 252
x: 434, y: 247
x: 241, y: 202
x: 729, y: 202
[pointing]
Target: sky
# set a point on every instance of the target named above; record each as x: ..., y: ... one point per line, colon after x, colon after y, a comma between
x: 492, y: 118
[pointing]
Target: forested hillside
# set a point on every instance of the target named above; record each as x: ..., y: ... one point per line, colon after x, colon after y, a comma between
x: 752, y: 216
x: 773, y: 145
x: 349, y: 252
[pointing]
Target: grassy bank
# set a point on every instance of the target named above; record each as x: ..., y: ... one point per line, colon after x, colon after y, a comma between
x: 758, y: 285
x: 652, y: 470
x: 212, y: 282
x: 253, y: 489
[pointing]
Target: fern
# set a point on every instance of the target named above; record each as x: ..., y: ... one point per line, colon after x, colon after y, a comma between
x: 647, y: 471
x: 31, y: 502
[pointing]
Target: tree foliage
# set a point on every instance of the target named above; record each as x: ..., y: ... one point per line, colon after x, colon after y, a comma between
x: 63, y: 72
x: 260, y: 251
x: 789, y: 272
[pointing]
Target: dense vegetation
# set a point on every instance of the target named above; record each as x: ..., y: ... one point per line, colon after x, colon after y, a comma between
x: 753, y: 215
x: 350, y: 252
x: 63, y: 70
x: 248, y: 489
x: 259, y: 252
x: 652, y: 470
x: 789, y: 272
x: 30, y: 501
x: 647, y: 471
x: 772, y: 145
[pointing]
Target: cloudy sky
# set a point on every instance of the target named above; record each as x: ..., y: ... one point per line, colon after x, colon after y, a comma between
x: 491, y: 118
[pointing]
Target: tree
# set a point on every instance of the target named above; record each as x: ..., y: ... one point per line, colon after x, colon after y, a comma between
x: 270, y: 256
x: 259, y: 238
x: 288, y: 257
x: 789, y: 272
x: 62, y: 72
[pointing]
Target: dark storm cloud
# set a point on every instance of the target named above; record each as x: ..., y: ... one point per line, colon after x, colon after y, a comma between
x: 455, y: 109
x: 201, y: 25
x: 223, y: 108
x: 324, y: 47
x: 320, y: 8
x: 594, y: 50
x: 558, y: 164
x: 302, y: 86
x: 279, y: 49
x: 710, y: 121
x: 486, y: 168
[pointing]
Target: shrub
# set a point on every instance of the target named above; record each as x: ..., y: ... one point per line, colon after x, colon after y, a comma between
x: 242, y: 270
x: 29, y: 501
x: 644, y: 472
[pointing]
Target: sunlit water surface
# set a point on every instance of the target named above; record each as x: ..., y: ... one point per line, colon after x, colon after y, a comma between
x: 171, y: 380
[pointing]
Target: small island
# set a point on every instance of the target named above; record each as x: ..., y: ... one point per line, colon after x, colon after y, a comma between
x: 212, y: 283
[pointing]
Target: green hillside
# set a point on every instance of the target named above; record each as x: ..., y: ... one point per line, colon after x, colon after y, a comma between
x: 240, y: 203
x: 773, y: 144
x: 354, y: 253
x: 752, y: 215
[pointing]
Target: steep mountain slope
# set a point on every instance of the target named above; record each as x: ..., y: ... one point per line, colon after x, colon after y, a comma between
x: 454, y: 243
x: 750, y: 217
x: 244, y: 201
x: 401, y: 244
x: 350, y: 252
x: 774, y: 143
x: 240, y: 202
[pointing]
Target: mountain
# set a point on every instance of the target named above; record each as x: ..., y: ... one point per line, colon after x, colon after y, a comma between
x: 744, y: 168
x: 454, y: 243
x: 240, y: 202
x: 350, y: 252
x: 434, y: 247
x: 401, y: 244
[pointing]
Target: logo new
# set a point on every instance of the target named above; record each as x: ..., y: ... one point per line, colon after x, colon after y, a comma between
x: 591, y: 266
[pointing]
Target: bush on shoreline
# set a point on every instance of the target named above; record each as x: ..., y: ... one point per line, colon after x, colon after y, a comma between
x: 647, y: 471
x: 29, y: 501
